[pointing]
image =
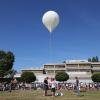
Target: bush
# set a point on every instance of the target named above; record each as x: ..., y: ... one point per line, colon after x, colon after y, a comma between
x: 28, y: 77
x: 61, y: 76
x: 96, y: 77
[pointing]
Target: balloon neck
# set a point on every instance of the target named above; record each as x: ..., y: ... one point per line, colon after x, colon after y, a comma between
x: 50, y: 30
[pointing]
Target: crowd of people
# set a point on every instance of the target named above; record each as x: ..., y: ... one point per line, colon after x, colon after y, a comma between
x: 77, y: 87
x: 8, y: 85
x: 49, y: 84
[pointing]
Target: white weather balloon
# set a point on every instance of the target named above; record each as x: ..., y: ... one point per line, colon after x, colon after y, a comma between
x: 50, y: 20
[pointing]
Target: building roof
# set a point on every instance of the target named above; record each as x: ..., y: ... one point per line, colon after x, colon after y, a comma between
x: 55, y: 64
x: 76, y: 61
x: 28, y: 69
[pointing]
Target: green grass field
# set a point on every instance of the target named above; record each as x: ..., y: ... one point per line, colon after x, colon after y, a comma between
x: 38, y: 95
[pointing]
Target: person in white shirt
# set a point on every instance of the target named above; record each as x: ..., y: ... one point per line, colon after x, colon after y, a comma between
x: 53, y: 86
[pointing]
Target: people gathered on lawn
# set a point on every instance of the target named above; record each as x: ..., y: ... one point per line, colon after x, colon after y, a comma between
x: 49, y: 84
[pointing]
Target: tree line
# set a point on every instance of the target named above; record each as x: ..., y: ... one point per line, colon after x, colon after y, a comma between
x: 93, y: 59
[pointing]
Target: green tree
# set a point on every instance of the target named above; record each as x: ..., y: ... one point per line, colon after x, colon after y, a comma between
x: 62, y: 76
x: 96, y: 77
x: 92, y: 71
x: 44, y: 71
x: 97, y: 59
x: 12, y: 73
x: 28, y: 77
x: 89, y: 59
x: 93, y: 59
x: 6, y: 62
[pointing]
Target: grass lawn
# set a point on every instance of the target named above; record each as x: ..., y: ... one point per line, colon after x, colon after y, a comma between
x: 38, y: 95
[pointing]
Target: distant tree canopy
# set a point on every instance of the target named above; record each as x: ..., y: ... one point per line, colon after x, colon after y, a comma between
x: 6, y: 63
x: 93, y: 59
x: 44, y: 71
x: 96, y: 77
x: 62, y: 76
x: 28, y: 77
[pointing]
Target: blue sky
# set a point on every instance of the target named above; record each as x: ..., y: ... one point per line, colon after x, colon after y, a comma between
x: 22, y: 31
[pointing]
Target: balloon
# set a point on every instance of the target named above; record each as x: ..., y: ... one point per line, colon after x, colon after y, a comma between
x: 50, y: 20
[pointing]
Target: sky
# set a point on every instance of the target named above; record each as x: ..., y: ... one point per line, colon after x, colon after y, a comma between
x: 22, y: 32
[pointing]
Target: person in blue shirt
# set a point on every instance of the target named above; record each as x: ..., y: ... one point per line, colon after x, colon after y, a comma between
x: 77, y: 86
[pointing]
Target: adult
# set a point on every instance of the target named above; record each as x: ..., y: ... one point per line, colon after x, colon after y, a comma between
x: 53, y: 86
x: 77, y: 86
x: 45, y: 86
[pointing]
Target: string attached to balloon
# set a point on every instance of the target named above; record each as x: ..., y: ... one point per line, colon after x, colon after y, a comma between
x: 51, y: 47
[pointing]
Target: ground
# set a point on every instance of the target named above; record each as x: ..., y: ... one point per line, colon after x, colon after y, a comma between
x: 38, y: 95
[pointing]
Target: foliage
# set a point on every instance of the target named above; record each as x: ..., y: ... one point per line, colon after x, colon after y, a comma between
x: 18, y: 79
x: 89, y: 59
x: 44, y: 71
x: 28, y: 77
x: 93, y: 59
x: 6, y: 62
x: 5, y: 80
x: 12, y: 73
x: 62, y: 76
x: 96, y: 77
x: 92, y: 71
x: 97, y: 59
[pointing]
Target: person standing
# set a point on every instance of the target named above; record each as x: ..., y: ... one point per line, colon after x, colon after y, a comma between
x: 53, y: 86
x: 45, y: 86
x: 77, y: 86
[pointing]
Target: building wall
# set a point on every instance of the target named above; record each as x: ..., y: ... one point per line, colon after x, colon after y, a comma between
x: 34, y: 71
x: 74, y: 66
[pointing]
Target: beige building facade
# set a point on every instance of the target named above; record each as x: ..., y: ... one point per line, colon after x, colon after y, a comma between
x: 73, y: 66
x: 67, y: 66
x: 80, y: 68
